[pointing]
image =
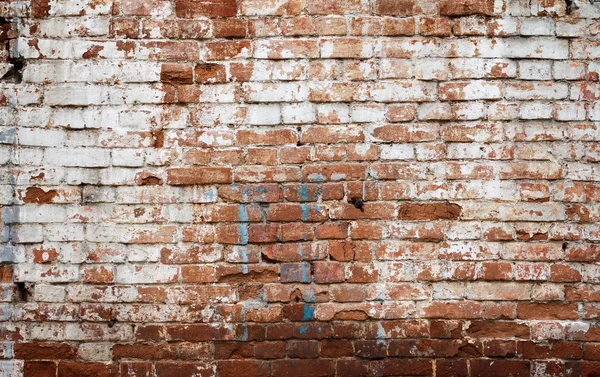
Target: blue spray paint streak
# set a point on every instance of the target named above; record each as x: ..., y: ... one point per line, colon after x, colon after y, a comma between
x: 243, y: 234
x: 304, y: 208
x: 303, y: 192
x: 308, y: 313
x: 300, y: 252
x: 7, y: 367
x: 309, y: 296
x: 9, y: 351
x: 303, y: 329
x: 6, y: 312
x: 259, y: 193
x: 244, y: 336
x: 316, y: 178
x: 305, y: 273
x: 380, y: 331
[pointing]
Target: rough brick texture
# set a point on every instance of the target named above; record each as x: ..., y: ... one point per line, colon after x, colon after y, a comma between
x: 299, y: 188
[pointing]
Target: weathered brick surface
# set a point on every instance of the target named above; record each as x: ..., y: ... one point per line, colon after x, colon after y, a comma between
x: 299, y: 188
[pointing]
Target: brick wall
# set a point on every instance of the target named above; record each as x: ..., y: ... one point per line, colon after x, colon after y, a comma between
x: 300, y: 188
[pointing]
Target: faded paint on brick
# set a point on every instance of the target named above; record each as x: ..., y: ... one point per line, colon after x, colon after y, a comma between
x: 299, y: 188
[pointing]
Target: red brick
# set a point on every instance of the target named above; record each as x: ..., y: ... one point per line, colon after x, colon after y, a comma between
x: 198, y: 176
x: 497, y: 329
x: 582, y: 368
x: 39, y: 369
x: 402, y: 367
x: 303, y: 349
x: 302, y: 368
x: 270, y: 350
x: 173, y: 73
x: 136, y: 369
x: 44, y: 351
x: 181, y: 369
x: 451, y: 368
x: 500, y: 348
x: 205, y: 8
x: 210, y: 73
x: 353, y: 368
x: 336, y: 349
x: 227, y: 50
x: 499, y: 368
x: 329, y: 272
x: 466, y: 7
x: 558, y: 350
x: 547, y: 311
x: 437, y: 211
x: 87, y: 370
x: 399, y: 8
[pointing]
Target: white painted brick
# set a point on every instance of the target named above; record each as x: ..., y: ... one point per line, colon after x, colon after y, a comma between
x: 279, y: 92
x: 95, y: 352
x: 536, y: 90
x: 27, y: 233
x: 566, y: 111
x: 41, y: 137
x: 264, y: 114
x: 300, y: 113
x: 397, y: 152
x: 49, y: 293
x: 57, y: 27
x: 128, y: 157
x: 535, y: 70
x: 146, y: 274
x: 55, y: 273
x: 536, y: 110
x: 469, y: 110
x: 537, y: 26
x: 64, y: 232
x: 403, y: 91
x: 78, y: 157
x: 63, y: 95
x: 594, y: 112
x: 565, y: 70
x: 435, y: 111
x: 367, y: 113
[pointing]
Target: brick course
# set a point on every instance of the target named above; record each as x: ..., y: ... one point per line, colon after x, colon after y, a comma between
x: 299, y: 188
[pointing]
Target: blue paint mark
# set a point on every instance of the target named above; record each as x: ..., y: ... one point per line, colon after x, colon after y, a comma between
x: 243, y: 228
x: 303, y: 329
x: 309, y: 313
x: 243, y: 213
x: 303, y: 192
x: 314, y: 177
x: 259, y: 193
x: 8, y: 136
x: 246, y: 194
x: 243, y: 235
x: 6, y: 313
x: 304, y: 208
x: 244, y: 336
x: 310, y: 298
x: 380, y: 331
x: 305, y: 273
x: 211, y: 195
x: 9, y: 352
x: 300, y: 252
x: 7, y: 368
x: 242, y: 252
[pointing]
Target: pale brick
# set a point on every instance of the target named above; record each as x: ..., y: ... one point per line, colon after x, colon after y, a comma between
x: 78, y: 157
